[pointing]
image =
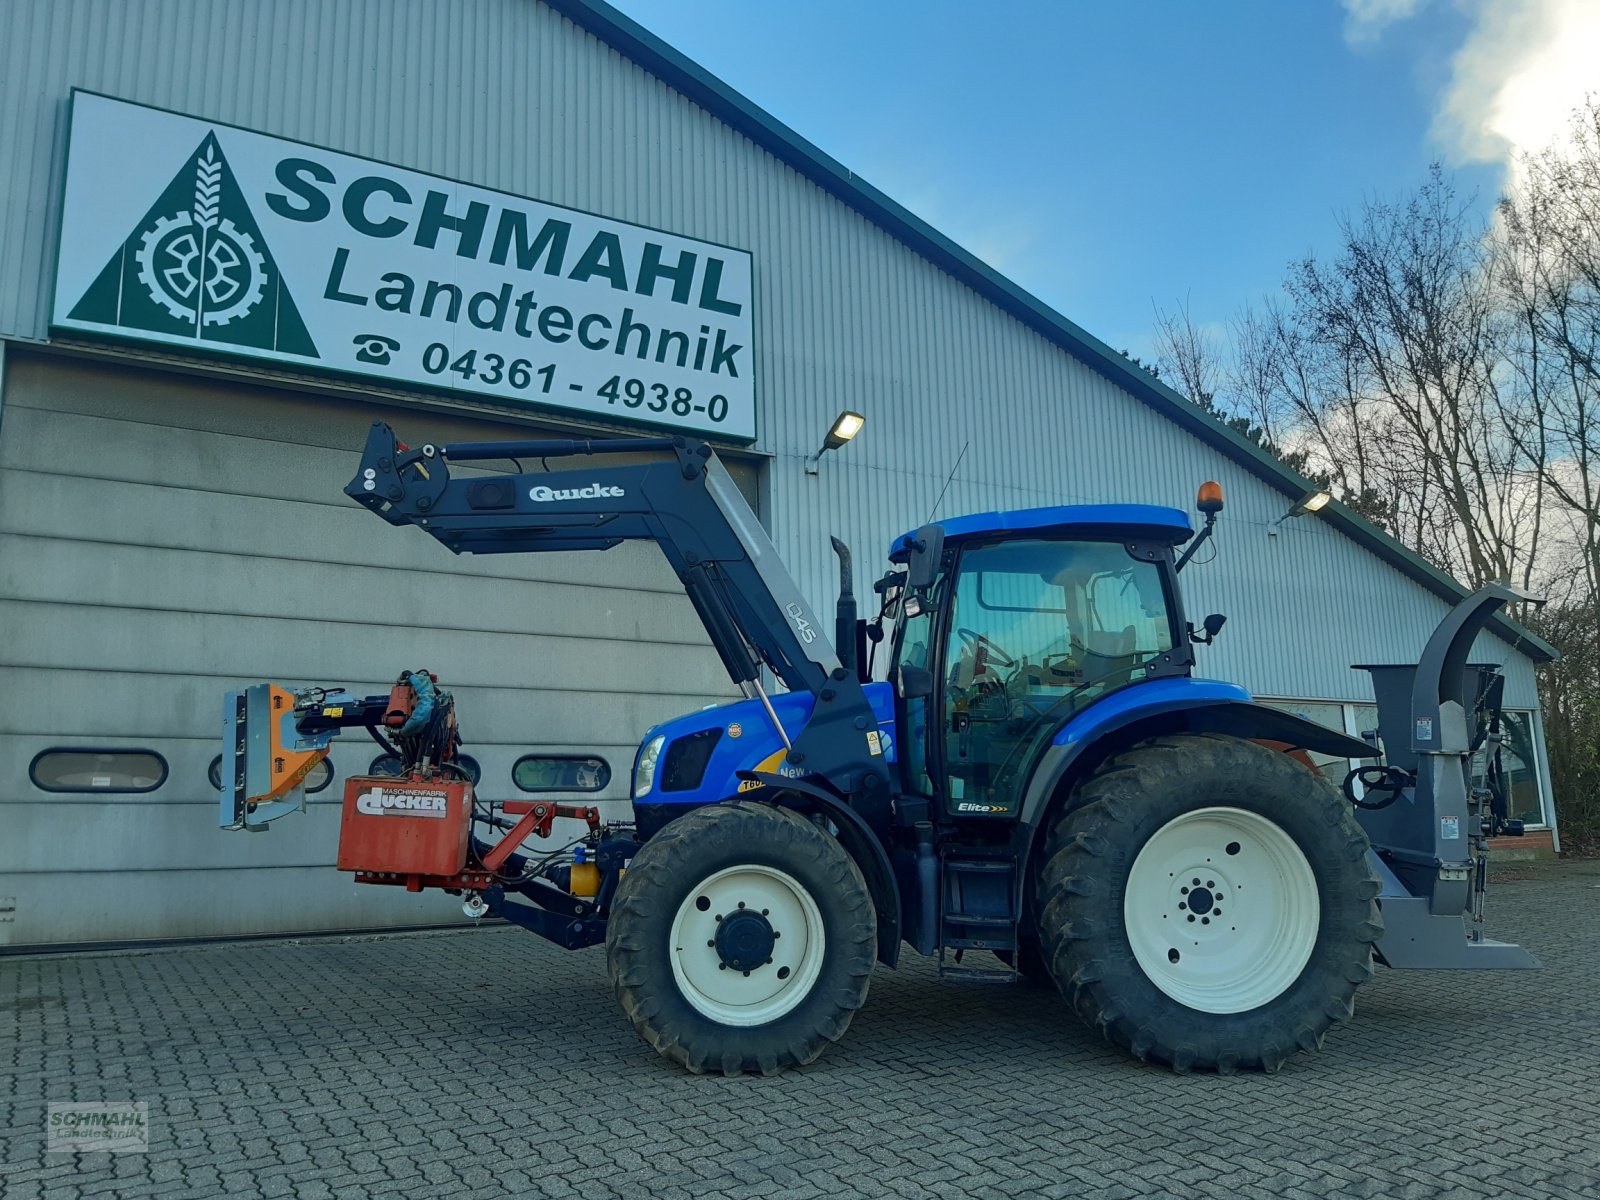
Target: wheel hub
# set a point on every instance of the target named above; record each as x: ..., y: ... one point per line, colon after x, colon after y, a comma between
x: 1187, y: 922
x: 747, y: 945
x: 744, y: 940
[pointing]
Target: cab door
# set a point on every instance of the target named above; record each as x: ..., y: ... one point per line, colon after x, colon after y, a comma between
x: 1035, y: 631
x: 917, y: 646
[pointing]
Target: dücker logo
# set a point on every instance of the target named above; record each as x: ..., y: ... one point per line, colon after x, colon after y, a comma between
x: 380, y: 803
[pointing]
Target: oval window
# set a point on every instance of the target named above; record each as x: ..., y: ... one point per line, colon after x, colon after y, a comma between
x: 561, y: 773
x: 93, y: 769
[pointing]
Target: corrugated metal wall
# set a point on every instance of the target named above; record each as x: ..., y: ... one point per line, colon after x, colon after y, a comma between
x: 508, y: 94
x: 164, y: 539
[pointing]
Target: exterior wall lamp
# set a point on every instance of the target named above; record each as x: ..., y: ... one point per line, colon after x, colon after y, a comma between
x: 845, y: 426
x: 1309, y: 503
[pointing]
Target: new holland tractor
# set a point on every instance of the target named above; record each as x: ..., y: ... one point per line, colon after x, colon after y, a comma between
x: 1041, y: 785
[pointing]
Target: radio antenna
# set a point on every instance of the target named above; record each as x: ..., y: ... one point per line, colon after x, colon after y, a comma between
x: 947, y: 480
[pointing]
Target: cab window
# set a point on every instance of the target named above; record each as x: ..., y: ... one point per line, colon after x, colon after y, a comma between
x: 1038, y: 630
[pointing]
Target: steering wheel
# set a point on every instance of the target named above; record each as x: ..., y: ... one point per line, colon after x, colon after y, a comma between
x: 975, y: 641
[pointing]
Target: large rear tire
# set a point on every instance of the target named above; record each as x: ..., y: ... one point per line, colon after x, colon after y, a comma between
x: 742, y: 939
x: 1206, y: 903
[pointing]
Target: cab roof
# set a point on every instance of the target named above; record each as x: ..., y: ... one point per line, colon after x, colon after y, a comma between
x: 1120, y: 522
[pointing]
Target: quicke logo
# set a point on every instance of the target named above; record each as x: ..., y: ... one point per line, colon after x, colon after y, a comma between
x: 595, y: 491
x: 197, y: 266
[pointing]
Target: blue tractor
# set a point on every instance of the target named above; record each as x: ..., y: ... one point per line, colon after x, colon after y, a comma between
x: 1040, y: 789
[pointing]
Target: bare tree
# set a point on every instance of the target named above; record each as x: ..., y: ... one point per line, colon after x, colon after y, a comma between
x: 1550, y: 271
x: 1188, y: 355
x: 1393, y: 360
x: 1443, y: 377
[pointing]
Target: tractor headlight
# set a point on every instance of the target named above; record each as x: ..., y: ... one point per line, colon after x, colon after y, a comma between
x: 644, y: 771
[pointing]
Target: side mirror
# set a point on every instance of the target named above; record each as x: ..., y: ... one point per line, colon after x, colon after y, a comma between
x: 1212, y: 625
x: 927, y: 548
x: 913, y: 683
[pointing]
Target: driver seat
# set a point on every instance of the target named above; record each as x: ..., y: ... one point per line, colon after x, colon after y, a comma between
x: 1111, y: 656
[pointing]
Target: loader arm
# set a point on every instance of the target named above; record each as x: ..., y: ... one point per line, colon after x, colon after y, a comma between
x: 683, y: 500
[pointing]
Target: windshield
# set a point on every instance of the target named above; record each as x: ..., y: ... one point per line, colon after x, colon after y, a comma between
x: 1038, y: 630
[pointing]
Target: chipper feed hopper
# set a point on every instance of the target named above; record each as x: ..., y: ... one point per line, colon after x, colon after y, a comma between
x: 1042, y: 788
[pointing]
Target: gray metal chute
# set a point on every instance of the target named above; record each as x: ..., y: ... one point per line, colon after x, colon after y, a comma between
x: 1427, y: 824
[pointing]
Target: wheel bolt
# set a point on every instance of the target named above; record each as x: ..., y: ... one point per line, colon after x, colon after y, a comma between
x: 722, y: 966
x: 741, y: 904
x: 712, y: 942
x: 1183, y: 891
x: 1181, y: 904
x: 1191, y: 916
x: 747, y: 974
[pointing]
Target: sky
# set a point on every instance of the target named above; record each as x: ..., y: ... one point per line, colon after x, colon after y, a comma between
x: 1111, y: 157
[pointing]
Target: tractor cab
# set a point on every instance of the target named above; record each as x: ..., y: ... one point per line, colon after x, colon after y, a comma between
x: 1011, y: 623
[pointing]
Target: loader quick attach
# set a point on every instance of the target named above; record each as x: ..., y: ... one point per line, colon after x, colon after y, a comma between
x: 1042, y: 788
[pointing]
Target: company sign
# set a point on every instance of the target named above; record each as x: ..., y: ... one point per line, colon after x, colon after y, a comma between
x: 198, y: 235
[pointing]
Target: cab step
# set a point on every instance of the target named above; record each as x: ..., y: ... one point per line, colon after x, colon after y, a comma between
x: 962, y: 974
x: 978, y: 904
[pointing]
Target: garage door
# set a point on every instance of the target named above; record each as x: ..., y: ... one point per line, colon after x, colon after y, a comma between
x: 164, y: 539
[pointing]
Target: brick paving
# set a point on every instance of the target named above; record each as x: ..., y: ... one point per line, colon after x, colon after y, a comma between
x: 486, y: 1063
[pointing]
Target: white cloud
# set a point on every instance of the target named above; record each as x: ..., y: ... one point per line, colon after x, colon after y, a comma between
x: 1365, y: 20
x: 1524, y: 67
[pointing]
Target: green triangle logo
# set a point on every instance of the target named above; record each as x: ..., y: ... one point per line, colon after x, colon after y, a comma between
x: 197, y: 266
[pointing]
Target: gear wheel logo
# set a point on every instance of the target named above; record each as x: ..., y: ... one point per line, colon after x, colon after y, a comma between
x: 211, y: 275
x: 200, y: 267
x: 196, y: 268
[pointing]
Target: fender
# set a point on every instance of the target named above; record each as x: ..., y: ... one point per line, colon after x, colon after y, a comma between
x: 858, y: 840
x: 1174, y: 705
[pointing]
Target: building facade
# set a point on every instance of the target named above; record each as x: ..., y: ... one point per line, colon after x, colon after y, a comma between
x: 235, y: 233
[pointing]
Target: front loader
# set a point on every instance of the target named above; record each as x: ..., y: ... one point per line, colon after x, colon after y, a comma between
x: 1042, y: 788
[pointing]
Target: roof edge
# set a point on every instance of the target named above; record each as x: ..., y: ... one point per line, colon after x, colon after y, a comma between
x: 684, y: 75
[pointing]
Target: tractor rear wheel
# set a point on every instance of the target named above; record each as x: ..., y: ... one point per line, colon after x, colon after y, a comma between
x: 1206, y: 903
x: 742, y: 939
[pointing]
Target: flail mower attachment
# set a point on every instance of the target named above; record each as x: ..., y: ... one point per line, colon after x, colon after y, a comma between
x: 414, y: 828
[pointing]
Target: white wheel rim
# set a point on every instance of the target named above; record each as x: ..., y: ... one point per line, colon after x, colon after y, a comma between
x: 767, y: 990
x: 1222, y: 910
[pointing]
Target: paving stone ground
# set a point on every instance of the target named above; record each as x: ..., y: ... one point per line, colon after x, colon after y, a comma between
x: 487, y: 1063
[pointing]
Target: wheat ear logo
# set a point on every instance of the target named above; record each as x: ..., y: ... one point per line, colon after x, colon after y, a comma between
x: 197, y: 266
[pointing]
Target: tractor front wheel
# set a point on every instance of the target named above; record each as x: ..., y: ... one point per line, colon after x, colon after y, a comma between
x: 742, y: 939
x: 1206, y: 903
